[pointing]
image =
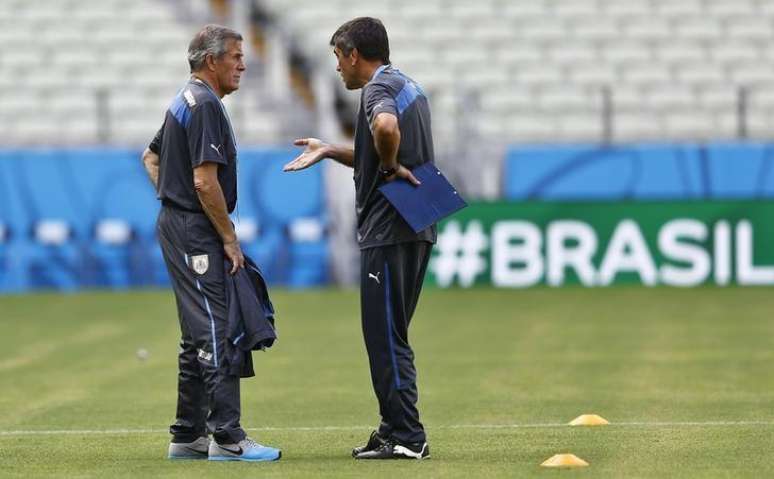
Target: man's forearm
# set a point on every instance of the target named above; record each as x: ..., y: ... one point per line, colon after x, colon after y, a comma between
x: 342, y: 154
x: 386, y: 140
x: 214, y: 206
x: 386, y: 144
x: 150, y: 161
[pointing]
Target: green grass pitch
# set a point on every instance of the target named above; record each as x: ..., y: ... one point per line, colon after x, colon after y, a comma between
x: 684, y: 376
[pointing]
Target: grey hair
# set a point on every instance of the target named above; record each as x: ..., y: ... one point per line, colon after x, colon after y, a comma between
x: 211, y: 40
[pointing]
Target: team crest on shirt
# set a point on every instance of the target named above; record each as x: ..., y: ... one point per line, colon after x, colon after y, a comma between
x: 200, y: 263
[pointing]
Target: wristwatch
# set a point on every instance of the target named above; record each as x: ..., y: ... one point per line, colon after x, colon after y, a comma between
x: 388, y: 172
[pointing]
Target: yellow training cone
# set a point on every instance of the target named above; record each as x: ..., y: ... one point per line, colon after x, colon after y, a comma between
x: 589, y: 420
x: 564, y: 460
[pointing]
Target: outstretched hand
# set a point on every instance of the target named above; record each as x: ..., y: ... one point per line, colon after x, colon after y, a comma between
x: 313, y: 153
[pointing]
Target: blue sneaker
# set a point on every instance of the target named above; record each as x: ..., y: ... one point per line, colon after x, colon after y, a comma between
x: 244, y: 450
x: 197, y: 449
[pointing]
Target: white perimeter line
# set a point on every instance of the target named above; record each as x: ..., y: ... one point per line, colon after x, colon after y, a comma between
x: 77, y: 432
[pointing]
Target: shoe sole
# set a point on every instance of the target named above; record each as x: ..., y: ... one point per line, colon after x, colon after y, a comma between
x: 187, y: 458
x: 230, y: 458
x: 395, y: 458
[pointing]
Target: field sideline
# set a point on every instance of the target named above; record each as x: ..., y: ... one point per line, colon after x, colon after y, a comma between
x: 683, y: 375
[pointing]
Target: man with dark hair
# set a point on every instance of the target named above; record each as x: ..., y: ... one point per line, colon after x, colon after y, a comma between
x: 392, y: 136
x: 192, y: 164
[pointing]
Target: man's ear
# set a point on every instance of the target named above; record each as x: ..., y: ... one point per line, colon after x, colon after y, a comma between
x: 209, y: 60
x: 354, y: 56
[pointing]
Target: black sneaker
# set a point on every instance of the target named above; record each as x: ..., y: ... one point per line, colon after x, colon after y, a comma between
x: 374, y: 442
x: 394, y: 450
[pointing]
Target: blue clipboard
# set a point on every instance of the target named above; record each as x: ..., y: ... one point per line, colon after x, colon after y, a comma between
x: 424, y: 205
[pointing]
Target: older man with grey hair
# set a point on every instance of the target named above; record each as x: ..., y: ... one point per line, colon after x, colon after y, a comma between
x: 192, y: 163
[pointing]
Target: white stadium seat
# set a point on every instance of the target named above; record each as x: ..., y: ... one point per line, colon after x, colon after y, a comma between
x: 691, y: 123
x: 678, y: 51
x: 735, y: 51
x: 532, y: 126
x: 593, y: 75
x: 725, y: 8
x: 538, y: 73
x: 624, y: 8
x: 541, y: 29
x: 515, y: 54
x: 580, y: 126
x: 506, y: 100
x: 638, y: 125
x: 752, y: 73
x: 698, y: 73
x: 762, y: 97
x: 567, y: 98
x: 645, y: 73
x: 521, y: 10
x: 749, y: 27
x: 576, y: 8
x: 580, y: 52
x: 593, y: 27
x: 647, y: 28
x: 666, y: 97
x: 717, y: 97
x: 700, y: 27
x: 627, y: 51
x: 678, y: 9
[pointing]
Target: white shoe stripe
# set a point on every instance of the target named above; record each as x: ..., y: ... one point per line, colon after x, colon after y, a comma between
x: 404, y: 451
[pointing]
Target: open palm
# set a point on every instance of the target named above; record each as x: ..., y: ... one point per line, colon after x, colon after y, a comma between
x: 313, y: 153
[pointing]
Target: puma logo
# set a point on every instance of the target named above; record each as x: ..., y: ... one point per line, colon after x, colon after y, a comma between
x: 216, y: 148
x: 375, y: 277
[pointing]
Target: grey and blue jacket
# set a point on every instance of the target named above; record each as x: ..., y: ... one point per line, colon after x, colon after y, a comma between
x: 250, y: 318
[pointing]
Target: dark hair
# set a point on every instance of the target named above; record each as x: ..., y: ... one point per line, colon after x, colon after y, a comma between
x: 366, y: 34
x: 210, y: 40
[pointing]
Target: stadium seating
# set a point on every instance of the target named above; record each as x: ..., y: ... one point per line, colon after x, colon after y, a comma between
x: 497, y: 63
x: 99, y: 71
x: 659, y: 57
